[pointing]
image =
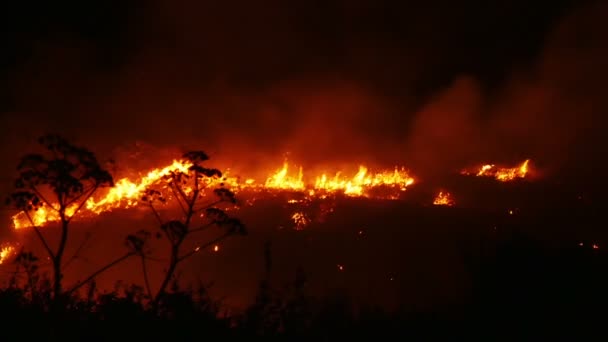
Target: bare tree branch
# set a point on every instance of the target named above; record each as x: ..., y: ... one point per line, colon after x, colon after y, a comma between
x: 175, y: 193
x: 156, y: 214
x: 33, y: 188
x: 201, y: 228
x: 80, y: 195
x: 145, y: 272
x: 198, y: 249
x: 82, y: 203
x: 212, y: 204
x: 77, y: 252
x: 101, y: 270
x: 40, y: 236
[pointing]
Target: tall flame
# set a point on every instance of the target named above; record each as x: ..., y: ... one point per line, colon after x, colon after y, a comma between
x: 282, y: 180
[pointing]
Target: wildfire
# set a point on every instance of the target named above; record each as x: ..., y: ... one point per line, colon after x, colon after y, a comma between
x: 282, y: 180
x: 357, y: 185
x: 364, y: 183
x: 300, y: 219
x: 444, y: 198
x: 127, y: 192
x: 6, y: 252
x: 501, y: 173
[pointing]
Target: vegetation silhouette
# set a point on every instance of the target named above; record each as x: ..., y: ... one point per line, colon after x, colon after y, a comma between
x: 521, y: 286
x: 61, y: 181
x: 198, y: 214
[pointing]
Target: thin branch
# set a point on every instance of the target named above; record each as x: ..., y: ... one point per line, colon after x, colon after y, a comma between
x: 201, y: 228
x: 96, y: 273
x: 178, y: 199
x: 80, y: 196
x: 77, y: 252
x: 212, y: 242
x: 40, y: 236
x: 181, y: 191
x: 145, y: 271
x: 156, y: 214
x: 82, y: 203
x: 43, y: 198
x: 212, y: 204
x: 156, y: 259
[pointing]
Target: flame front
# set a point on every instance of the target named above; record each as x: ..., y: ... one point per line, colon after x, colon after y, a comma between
x: 124, y: 194
x: 127, y: 192
x: 502, y: 174
x: 357, y: 185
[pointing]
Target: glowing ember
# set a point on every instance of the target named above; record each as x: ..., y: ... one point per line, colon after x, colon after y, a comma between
x: 502, y: 174
x: 6, y: 252
x: 300, y: 219
x: 444, y: 198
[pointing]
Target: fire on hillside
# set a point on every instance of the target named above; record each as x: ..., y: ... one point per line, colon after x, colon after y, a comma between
x: 384, y: 184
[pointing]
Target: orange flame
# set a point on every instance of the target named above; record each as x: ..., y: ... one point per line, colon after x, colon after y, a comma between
x: 444, y: 198
x: 6, y: 252
x: 357, y: 185
x: 282, y: 180
x: 500, y: 173
x: 300, y: 219
x: 127, y: 192
x: 124, y: 194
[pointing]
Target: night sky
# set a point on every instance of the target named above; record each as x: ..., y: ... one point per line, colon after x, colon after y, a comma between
x: 433, y: 85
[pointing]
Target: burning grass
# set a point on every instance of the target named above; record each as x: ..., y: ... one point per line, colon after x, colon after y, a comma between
x: 387, y: 184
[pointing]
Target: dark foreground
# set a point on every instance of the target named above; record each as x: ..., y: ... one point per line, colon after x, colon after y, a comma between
x: 372, y: 270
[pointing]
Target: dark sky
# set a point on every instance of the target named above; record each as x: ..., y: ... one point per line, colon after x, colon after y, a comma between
x: 430, y: 84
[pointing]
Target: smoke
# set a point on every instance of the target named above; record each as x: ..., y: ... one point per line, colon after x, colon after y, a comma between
x: 552, y: 112
x: 252, y: 85
x: 557, y: 111
x: 446, y: 133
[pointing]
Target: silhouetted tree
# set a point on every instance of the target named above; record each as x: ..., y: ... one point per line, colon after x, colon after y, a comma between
x: 199, y: 212
x: 60, y: 183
